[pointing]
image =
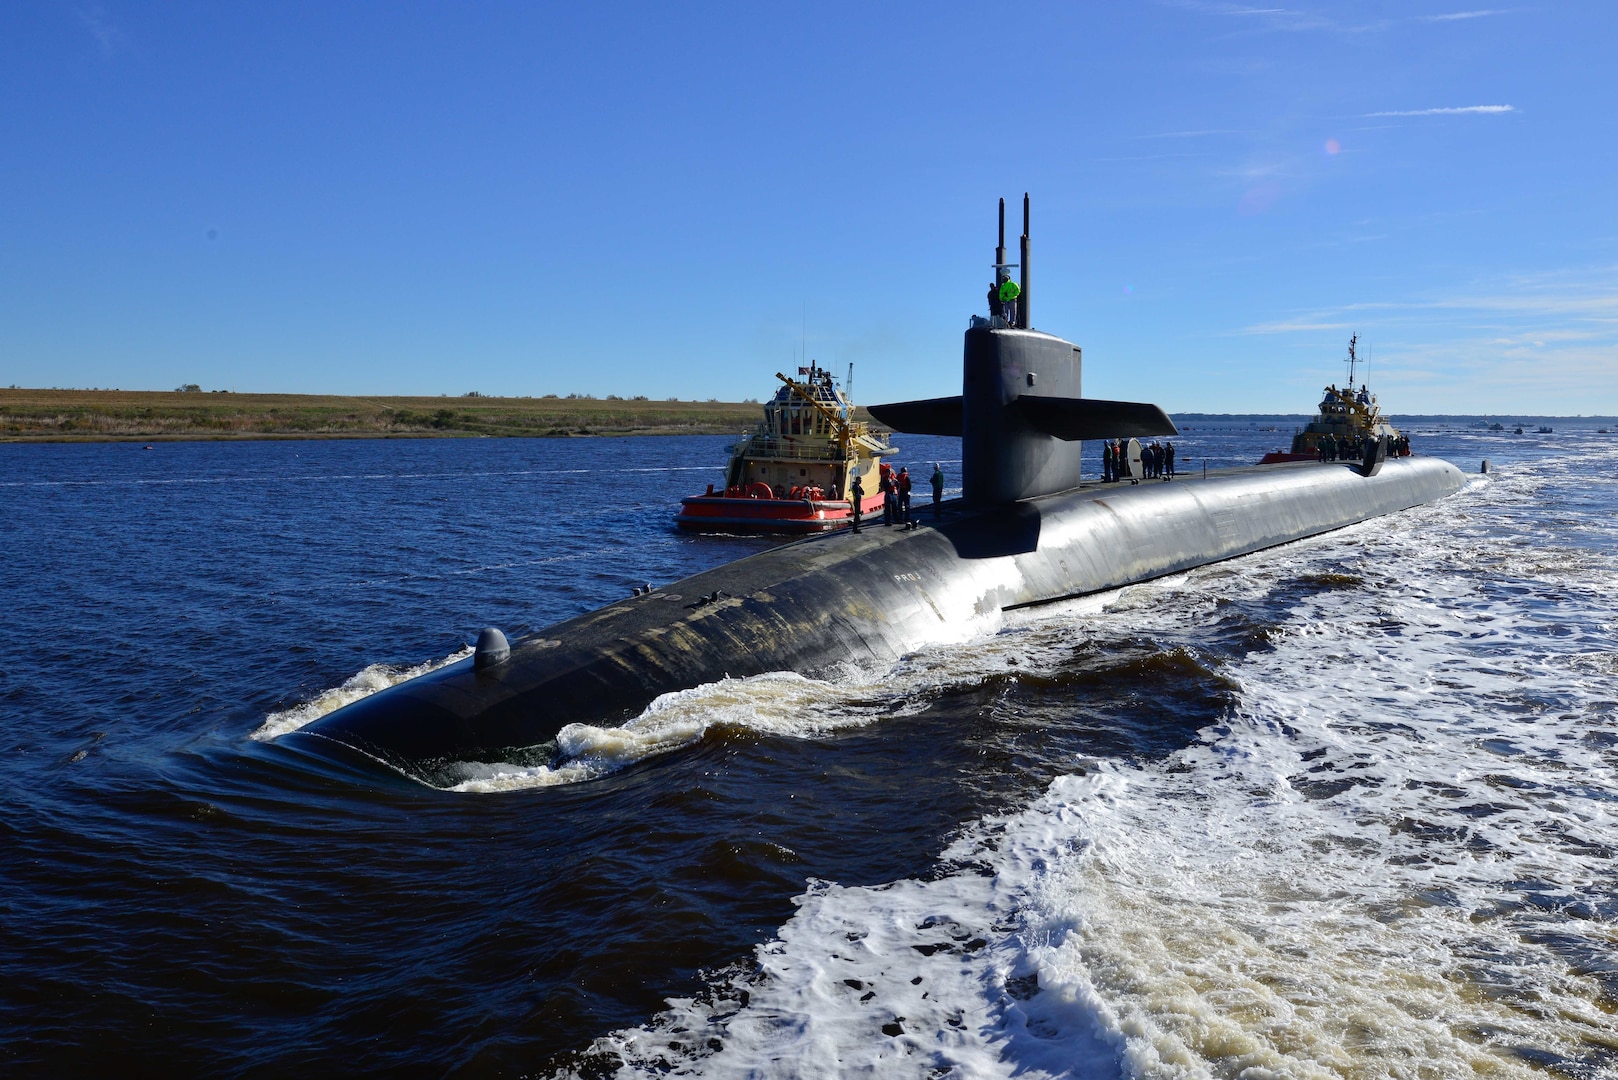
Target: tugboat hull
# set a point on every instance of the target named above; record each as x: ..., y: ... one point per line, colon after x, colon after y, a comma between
x: 719, y: 514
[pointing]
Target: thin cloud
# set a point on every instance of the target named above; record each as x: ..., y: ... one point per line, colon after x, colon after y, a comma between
x: 1295, y: 20
x: 1455, y: 15
x: 1190, y: 134
x: 101, y: 27
x: 1539, y: 308
x: 1296, y: 327
x: 1475, y: 110
x: 1213, y: 7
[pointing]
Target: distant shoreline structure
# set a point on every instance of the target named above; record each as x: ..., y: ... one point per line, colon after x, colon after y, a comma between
x: 36, y: 416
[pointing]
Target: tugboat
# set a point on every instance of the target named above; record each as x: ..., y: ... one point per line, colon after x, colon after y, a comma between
x: 793, y: 473
x: 1345, y: 422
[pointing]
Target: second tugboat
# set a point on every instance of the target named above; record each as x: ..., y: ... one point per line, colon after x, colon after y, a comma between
x: 1349, y: 427
x: 794, y: 473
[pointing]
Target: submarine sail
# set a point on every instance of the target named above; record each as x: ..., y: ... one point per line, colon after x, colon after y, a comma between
x: 1021, y: 414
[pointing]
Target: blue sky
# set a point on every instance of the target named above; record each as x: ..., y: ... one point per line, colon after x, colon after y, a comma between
x: 369, y: 198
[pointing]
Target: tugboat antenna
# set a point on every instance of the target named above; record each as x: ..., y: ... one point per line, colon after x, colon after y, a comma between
x: 1353, y: 338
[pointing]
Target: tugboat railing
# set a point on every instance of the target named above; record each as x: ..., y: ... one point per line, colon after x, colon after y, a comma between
x: 791, y: 451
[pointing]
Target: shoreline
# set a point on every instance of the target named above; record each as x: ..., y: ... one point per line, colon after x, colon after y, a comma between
x: 316, y: 436
x: 75, y: 416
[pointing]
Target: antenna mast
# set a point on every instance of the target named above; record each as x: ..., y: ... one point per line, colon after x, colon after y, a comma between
x: 1022, y: 300
x: 1353, y: 339
x: 1002, y: 269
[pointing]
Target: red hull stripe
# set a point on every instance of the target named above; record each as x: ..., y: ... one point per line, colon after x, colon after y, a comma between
x: 763, y: 524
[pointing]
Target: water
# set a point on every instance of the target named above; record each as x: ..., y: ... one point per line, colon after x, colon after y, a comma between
x: 1345, y: 808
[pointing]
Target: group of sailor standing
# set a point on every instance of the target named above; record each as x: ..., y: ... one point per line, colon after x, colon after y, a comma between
x: 895, y: 488
x: 1351, y: 448
x: 1156, y: 462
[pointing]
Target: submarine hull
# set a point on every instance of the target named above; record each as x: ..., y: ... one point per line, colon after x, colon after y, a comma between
x: 860, y: 601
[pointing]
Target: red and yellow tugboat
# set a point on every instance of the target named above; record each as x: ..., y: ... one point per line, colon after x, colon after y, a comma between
x: 794, y: 472
x: 1346, y: 421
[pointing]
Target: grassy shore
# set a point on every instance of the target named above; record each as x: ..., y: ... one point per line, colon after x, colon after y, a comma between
x: 97, y: 415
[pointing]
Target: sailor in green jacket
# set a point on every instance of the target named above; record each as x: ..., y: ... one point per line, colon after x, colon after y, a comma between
x: 1009, y: 291
x: 938, y: 487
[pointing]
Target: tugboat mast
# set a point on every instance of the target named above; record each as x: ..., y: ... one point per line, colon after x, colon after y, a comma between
x: 1351, y: 342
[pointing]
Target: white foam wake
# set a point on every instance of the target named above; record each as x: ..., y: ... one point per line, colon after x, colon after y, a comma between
x: 363, y: 684
x: 781, y: 703
x: 1393, y: 857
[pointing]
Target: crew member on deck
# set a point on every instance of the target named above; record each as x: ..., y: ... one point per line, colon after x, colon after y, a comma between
x: 856, y: 498
x: 1009, y: 291
x: 938, y: 488
x: 904, y: 493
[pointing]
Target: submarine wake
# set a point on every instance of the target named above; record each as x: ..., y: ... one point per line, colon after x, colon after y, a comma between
x: 1389, y: 854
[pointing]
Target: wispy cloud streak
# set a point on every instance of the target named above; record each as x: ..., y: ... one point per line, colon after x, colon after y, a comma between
x: 100, y: 25
x: 1190, y: 134
x: 1460, y: 110
x: 1546, y: 344
x: 1456, y: 15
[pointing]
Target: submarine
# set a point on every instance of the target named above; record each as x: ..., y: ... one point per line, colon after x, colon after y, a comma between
x: 1026, y: 531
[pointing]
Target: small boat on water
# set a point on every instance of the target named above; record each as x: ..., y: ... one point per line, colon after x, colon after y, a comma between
x: 793, y: 473
x: 1346, y: 422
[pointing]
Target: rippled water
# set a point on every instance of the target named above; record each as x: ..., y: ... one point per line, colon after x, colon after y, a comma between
x: 1345, y: 808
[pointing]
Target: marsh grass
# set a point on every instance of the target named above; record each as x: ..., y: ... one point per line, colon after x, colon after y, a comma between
x: 88, y: 415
